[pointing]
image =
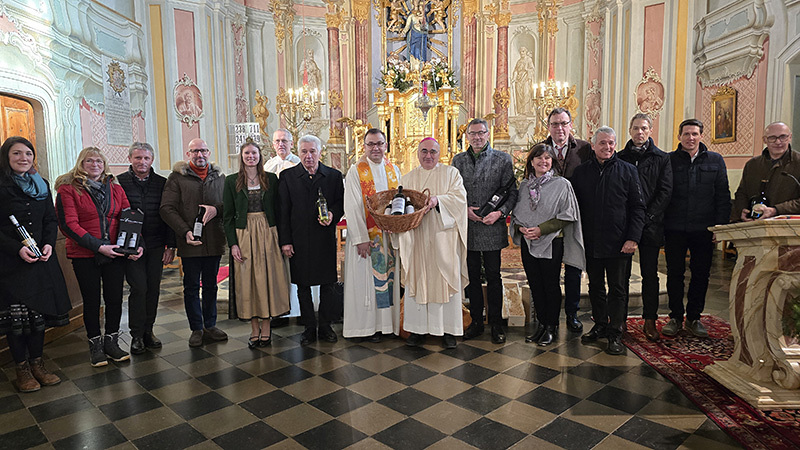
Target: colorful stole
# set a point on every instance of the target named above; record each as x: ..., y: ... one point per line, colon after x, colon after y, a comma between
x: 383, y: 261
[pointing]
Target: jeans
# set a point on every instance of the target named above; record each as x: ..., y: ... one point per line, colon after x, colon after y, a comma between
x: 200, y: 314
x: 572, y: 289
x: 327, y: 297
x: 543, y: 277
x: 648, y: 264
x: 144, y: 278
x: 494, y: 288
x: 701, y: 247
x: 89, y: 276
x: 609, y: 309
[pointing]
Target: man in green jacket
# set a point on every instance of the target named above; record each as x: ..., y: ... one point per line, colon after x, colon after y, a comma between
x: 778, y: 167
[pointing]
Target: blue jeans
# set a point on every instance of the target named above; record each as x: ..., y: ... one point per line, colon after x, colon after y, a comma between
x: 200, y: 314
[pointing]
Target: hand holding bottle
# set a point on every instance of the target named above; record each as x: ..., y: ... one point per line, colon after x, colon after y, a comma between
x: 471, y: 214
x: 491, y: 218
x: 190, y: 239
x: 327, y: 221
x: 211, y: 212
x: 47, y: 251
x: 108, y: 250
x: 27, y: 255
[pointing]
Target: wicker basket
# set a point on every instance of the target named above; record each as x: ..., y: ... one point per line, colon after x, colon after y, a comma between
x: 376, y: 204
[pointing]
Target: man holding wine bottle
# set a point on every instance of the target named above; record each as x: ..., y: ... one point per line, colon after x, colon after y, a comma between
x: 371, y: 287
x: 769, y: 184
x: 487, y: 173
x: 307, y: 234
x: 193, y: 189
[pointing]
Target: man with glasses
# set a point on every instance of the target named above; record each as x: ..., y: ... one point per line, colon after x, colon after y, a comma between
x: 284, y: 158
x: 779, y: 166
x: 484, y: 171
x: 570, y: 153
x: 371, y: 280
x: 191, y: 185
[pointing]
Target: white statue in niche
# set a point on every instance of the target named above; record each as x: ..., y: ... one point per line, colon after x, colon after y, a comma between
x: 310, y: 74
x: 523, y: 81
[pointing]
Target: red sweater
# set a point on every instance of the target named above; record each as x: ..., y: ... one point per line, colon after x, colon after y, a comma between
x: 79, y: 220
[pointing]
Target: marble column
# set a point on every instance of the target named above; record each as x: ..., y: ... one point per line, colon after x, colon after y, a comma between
x: 469, y: 73
x: 361, y: 10
x: 501, y: 96
x: 594, y: 64
x: 333, y: 20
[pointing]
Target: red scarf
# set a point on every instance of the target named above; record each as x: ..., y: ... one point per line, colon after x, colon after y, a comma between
x: 202, y: 173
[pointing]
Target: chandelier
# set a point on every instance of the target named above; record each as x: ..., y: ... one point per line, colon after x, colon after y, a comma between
x: 548, y: 95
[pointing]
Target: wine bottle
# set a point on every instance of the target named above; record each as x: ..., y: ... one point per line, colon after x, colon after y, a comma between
x: 388, y: 210
x: 498, y: 198
x: 27, y: 239
x: 322, y: 206
x: 759, y: 200
x: 399, y: 202
x: 409, y: 206
x: 197, y: 230
x: 132, y: 241
x: 121, y: 239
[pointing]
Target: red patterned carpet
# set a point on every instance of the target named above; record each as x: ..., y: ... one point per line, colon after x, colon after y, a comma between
x: 682, y: 358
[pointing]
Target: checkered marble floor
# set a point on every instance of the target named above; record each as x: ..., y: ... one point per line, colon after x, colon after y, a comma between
x: 355, y: 395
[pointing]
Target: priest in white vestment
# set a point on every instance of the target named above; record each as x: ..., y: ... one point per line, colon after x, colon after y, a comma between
x: 284, y: 158
x: 371, y: 288
x: 434, y: 255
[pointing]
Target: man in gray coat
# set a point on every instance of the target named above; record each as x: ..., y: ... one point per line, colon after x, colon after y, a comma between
x: 485, y: 171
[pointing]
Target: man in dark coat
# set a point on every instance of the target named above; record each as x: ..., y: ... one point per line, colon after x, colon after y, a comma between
x: 570, y: 153
x: 191, y: 185
x: 612, y: 216
x: 307, y: 239
x: 775, y: 166
x: 655, y: 177
x: 143, y: 187
x: 700, y: 199
x: 484, y: 171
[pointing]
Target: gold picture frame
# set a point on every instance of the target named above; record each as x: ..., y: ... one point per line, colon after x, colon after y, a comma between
x: 723, y: 115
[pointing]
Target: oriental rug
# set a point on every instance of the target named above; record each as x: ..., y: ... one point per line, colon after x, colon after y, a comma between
x: 682, y: 358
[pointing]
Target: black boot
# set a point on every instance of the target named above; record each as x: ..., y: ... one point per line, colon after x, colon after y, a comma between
x: 548, y: 336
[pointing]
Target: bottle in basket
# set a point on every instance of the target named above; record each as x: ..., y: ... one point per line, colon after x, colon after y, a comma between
x: 27, y: 239
x: 322, y: 206
x: 409, y: 206
x: 399, y: 202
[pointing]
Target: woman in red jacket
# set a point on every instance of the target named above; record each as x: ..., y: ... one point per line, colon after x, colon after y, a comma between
x: 88, y: 207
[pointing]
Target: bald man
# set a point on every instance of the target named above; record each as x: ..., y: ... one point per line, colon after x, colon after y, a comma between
x: 779, y: 166
x: 193, y: 184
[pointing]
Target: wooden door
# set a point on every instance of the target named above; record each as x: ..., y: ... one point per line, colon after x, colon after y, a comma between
x: 16, y: 119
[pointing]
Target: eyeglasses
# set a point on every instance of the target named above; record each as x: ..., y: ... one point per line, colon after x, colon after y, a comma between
x: 198, y: 150
x: 560, y: 124
x: 431, y: 152
x: 774, y: 139
x: 374, y: 144
x: 476, y: 133
x: 98, y: 162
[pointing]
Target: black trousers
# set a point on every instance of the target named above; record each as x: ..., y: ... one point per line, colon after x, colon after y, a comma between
x: 25, y: 346
x: 201, y: 312
x: 89, y: 277
x: 144, y: 278
x: 701, y: 247
x: 543, y: 277
x: 327, y: 299
x: 490, y: 261
x: 648, y: 264
x: 609, y: 308
x: 572, y: 289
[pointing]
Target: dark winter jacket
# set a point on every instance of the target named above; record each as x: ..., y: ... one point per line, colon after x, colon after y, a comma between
x: 700, y: 194
x: 783, y: 193
x: 655, y: 178
x: 146, y: 196
x: 482, y: 176
x: 578, y: 152
x: 184, y: 192
x: 612, y: 210
x: 314, y: 260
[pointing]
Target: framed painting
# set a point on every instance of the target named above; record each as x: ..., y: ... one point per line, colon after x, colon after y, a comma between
x: 723, y: 115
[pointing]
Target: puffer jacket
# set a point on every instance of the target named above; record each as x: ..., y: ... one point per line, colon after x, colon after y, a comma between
x: 146, y: 196
x: 183, y: 194
x: 655, y: 178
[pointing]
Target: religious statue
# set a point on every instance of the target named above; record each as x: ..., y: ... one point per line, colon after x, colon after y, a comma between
x: 397, y: 13
x: 261, y: 113
x: 439, y: 13
x: 311, y: 75
x: 523, y: 82
x: 416, y: 32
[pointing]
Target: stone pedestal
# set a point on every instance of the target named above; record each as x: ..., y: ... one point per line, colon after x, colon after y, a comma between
x: 765, y: 366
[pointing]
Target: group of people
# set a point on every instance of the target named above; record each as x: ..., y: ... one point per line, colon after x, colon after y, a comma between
x: 581, y: 205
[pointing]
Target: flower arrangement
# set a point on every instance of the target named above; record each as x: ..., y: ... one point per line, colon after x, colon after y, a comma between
x: 399, y: 75
x: 396, y: 75
x: 437, y: 73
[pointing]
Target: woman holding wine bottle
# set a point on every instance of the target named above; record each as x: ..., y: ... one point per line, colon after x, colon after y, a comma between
x: 261, y: 284
x: 546, y: 224
x: 89, y: 204
x: 33, y: 294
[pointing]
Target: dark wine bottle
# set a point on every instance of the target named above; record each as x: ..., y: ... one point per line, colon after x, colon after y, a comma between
x: 409, y: 206
x: 322, y: 206
x: 197, y: 229
x: 399, y: 202
x: 498, y: 198
x: 760, y: 199
x: 27, y: 239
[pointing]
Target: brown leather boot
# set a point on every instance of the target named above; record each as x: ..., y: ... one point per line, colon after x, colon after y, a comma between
x: 25, y: 380
x: 42, y: 375
x: 650, y: 330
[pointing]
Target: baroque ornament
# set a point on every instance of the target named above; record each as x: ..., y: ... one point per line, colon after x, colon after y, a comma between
x: 283, y: 16
x: 116, y: 77
x: 188, y: 101
x: 650, y: 94
x: 501, y: 98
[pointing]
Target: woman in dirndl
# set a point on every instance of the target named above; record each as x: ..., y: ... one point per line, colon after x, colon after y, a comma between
x: 250, y: 205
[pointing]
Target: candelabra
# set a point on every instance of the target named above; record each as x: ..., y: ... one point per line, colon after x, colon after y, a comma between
x: 298, y: 106
x: 548, y: 95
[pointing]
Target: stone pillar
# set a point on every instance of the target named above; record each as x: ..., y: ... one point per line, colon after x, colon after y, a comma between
x: 333, y: 20
x: 594, y: 62
x: 361, y: 10
x: 469, y: 72
x: 501, y: 95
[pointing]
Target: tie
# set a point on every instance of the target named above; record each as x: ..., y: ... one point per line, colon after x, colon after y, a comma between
x: 560, y: 157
